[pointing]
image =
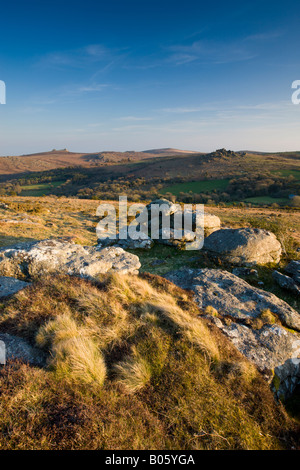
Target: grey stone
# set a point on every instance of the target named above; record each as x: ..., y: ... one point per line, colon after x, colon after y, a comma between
x: 286, y: 282
x: 293, y: 268
x: 212, y: 223
x: 232, y: 295
x: 60, y: 256
x: 127, y: 244
x: 18, y: 348
x: 271, y: 347
x: 171, y: 211
x: 2, y: 353
x: 245, y: 246
x: 168, y: 237
x: 10, y: 286
x: 168, y: 208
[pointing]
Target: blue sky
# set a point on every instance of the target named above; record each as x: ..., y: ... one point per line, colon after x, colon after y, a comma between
x: 133, y: 75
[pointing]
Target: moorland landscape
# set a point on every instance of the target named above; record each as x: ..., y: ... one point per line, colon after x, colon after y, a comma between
x: 108, y: 336
x: 149, y: 230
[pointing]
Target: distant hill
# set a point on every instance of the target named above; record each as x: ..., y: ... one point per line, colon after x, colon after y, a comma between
x: 54, y: 159
x: 168, y: 151
x: 156, y: 162
x: 40, y: 162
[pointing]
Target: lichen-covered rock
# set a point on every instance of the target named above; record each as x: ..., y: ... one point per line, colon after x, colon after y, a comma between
x: 232, y: 295
x: 167, y: 207
x: 244, y: 246
x: 286, y: 377
x: 127, y: 244
x: 293, y: 268
x: 58, y: 256
x: 286, y: 282
x: 262, y: 327
x: 211, y: 222
x: 182, y: 232
x: 10, y: 286
x: 168, y: 237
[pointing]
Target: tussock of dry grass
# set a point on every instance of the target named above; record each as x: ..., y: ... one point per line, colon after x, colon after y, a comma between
x: 133, y: 373
x: 75, y: 354
x: 132, y: 364
x: 145, y: 299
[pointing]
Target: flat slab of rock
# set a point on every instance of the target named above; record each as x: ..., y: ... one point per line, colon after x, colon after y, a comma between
x: 10, y: 286
x: 245, y: 246
x: 271, y: 347
x: 59, y: 256
x: 14, y: 347
x: 232, y: 296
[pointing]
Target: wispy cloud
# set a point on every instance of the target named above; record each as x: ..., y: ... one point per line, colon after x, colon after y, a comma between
x: 265, y: 36
x: 134, y: 118
x: 278, y: 106
x: 87, y: 88
x: 209, y: 52
x: 93, y: 54
x: 220, y: 52
x: 182, y: 110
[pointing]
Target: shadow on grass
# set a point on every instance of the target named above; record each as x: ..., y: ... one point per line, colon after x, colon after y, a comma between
x: 8, y: 240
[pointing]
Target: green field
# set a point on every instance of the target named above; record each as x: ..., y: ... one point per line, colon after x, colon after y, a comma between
x: 267, y: 200
x: 294, y: 173
x: 39, y: 189
x: 197, y: 187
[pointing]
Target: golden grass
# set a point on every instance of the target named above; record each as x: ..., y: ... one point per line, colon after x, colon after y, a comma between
x: 132, y: 364
x: 268, y: 317
x: 145, y: 299
x: 209, y: 310
x: 134, y: 373
x: 75, y: 354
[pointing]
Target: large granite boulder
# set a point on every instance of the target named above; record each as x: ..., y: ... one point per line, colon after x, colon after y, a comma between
x: 59, y: 256
x: 262, y: 327
x: 244, y: 246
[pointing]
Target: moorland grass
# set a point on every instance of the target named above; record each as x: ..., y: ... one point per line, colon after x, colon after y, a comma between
x: 132, y: 364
